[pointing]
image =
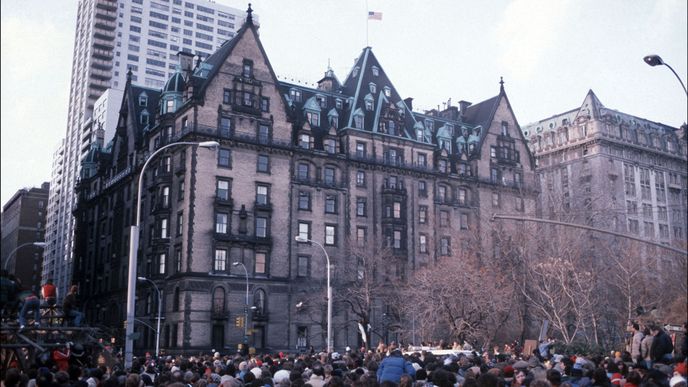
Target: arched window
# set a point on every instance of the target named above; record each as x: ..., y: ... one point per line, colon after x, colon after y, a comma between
x: 218, y: 301
x: 176, y: 302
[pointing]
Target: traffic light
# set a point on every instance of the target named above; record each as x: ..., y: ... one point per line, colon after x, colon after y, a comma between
x: 239, y: 322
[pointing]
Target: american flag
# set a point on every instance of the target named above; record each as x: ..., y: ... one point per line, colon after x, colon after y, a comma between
x: 374, y: 15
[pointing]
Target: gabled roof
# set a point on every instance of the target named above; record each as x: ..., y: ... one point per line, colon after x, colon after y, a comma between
x: 481, y: 114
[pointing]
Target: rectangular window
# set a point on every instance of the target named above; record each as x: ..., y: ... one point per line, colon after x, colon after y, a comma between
x: 162, y: 260
x: 263, y: 134
x: 180, y: 190
x: 495, y: 199
x: 178, y: 260
x: 261, y: 263
x: 224, y: 158
x: 304, y: 269
x: 221, y: 222
x: 360, y: 149
x: 462, y: 196
x: 328, y: 176
x: 444, y: 219
x: 304, y: 230
x: 261, y: 227
x: 222, y: 191
x: 464, y: 221
x: 225, y: 127
x: 330, y: 235
x: 397, y: 239
x: 360, y: 179
x: 227, y: 96
x: 303, y: 171
x: 262, y: 194
x: 423, y: 243
x: 264, y: 104
x: 304, y: 200
x: 422, y: 214
x: 397, y: 210
x: 305, y: 141
x: 422, y: 160
x: 422, y: 188
x: 220, y: 261
x: 180, y: 223
x: 361, y: 236
x: 164, y: 232
x: 445, y: 248
x: 330, y: 204
x: 263, y: 164
x: 361, y: 206
x: 330, y: 146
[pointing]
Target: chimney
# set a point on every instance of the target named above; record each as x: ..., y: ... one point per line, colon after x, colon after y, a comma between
x: 409, y: 102
x: 463, y: 105
x: 185, y: 63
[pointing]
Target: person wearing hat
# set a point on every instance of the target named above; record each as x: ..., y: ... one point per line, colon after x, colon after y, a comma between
x: 677, y: 381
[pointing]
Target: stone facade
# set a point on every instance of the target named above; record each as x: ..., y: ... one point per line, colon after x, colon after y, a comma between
x: 612, y: 170
x: 344, y: 163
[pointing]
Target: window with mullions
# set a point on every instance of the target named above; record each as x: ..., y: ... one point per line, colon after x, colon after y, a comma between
x: 263, y: 164
x: 247, y: 99
x: 247, y: 69
x: 221, y: 222
x: 303, y: 171
x: 422, y: 214
x: 361, y: 206
x: 304, y: 230
x: 220, y: 260
x: 330, y: 204
x: 304, y: 266
x: 227, y: 96
x: 330, y: 235
x: 264, y: 104
x: 329, y: 175
x: 225, y: 126
x: 360, y: 179
x: 263, y: 134
x: 330, y: 145
x: 260, y: 263
x: 224, y: 158
x: 262, y: 194
x: 222, y: 190
x: 261, y: 227
x: 304, y: 200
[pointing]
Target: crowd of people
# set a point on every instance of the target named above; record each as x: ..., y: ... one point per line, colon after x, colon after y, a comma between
x: 384, y: 366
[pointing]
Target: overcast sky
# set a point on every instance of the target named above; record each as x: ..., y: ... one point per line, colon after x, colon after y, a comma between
x: 550, y: 53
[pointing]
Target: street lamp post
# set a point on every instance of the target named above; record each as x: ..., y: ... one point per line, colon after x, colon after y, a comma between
x: 157, y: 327
x: 9, y: 256
x: 133, y: 252
x: 656, y: 60
x: 245, y: 305
x: 329, y: 291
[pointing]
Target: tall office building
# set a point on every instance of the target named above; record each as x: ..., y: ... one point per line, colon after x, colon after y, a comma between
x: 111, y: 38
x: 23, y: 223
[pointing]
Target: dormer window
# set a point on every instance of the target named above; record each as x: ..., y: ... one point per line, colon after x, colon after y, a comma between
x: 247, y: 69
x: 295, y: 95
x: 373, y: 87
x: 429, y: 125
x: 313, y: 118
x: 338, y: 103
x: 376, y: 71
x: 369, y: 105
x: 143, y: 99
x: 144, y: 117
x: 445, y: 144
x: 170, y: 106
x: 355, y: 71
x: 419, y: 134
x: 388, y: 92
x: 358, y: 122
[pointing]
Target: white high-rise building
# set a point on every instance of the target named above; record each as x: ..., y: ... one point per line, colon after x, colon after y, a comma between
x: 113, y: 37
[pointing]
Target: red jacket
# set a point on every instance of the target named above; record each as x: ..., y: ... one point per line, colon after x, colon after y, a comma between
x: 49, y: 291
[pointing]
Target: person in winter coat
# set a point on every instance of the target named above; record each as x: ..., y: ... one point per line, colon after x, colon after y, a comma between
x: 635, y: 342
x: 393, y: 366
x: 645, y: 346
x: 661, y: 349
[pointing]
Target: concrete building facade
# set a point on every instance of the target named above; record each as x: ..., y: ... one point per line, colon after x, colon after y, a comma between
x: 342, y: 164
x: 112, y: 37
x: 23, y: 223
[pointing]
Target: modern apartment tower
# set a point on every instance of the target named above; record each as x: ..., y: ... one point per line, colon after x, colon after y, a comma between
x: 113, y: 37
